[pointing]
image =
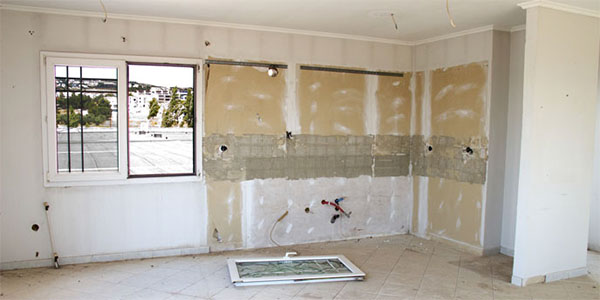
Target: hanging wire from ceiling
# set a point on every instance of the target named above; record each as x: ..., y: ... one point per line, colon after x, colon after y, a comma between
x: 104, y: 10
x: 449, y: 15
x: 394, y: 20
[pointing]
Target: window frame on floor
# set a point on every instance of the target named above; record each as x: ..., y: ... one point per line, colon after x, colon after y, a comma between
x: 48, y: 61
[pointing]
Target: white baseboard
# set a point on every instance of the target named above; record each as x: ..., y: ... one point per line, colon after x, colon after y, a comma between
x: 491, y: 251
x: 566, y: 274
x: 595, y: 247
x: 555, y: 276
x: 522, y: 282
x: 507, y: 251
x: 48, y: 262
x: 458, y: 244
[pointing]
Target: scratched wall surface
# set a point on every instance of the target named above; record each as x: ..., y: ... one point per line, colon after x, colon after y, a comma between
x: 458, y: 97
x: 394, y: 104
x: 331, y: 103
x: 377, y: 206
x: 455, y: 210
x: 243, y: 100
x: 224, y: 214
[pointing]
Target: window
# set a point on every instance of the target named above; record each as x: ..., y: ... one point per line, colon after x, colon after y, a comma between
x: 161, y: 133
x: 95, y: 132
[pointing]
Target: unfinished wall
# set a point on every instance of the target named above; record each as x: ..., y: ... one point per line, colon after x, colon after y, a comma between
x: 454, y: 155
x: 279, y: 172
x: 376, y: 206
x: 243, y: 100
x: 165, y: 217
x: 364, y: 137
x: 450, y: 152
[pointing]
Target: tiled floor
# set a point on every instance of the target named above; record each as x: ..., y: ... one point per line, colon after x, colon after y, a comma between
x: 398, y: 267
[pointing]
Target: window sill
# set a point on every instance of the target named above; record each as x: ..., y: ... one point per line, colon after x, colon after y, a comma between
x: 127, y: 181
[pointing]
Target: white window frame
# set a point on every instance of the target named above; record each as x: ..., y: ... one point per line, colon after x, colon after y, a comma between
x: 48, y: 95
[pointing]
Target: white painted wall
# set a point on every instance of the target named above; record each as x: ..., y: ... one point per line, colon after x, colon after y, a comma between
x: 513, y: 141
x: 557, y: 145
x: 143, y: 219
x: 594, y: 239
x: 498, y: 115
x: 475, y: 47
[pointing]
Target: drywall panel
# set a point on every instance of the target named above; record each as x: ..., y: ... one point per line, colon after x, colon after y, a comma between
x: 243, y: 100
x: 225, y: 214
x: 417, y: 112
x: 458, y: 100
x: 455, y: 210
x: 375, y: 206
x: 331, y: 103
x: 559, y: 111
x: 394, y: 104
x: 513, y: 140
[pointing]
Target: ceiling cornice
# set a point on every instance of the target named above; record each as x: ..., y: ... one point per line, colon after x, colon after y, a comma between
x: 518, y: 28
x: 80, y: 13
x: 560, y: 6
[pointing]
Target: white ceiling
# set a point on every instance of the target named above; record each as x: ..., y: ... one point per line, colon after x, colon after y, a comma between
x: 417, y: 19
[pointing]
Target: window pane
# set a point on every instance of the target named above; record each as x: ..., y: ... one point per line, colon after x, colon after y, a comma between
x: 86, y: 120
x: 161, y: 119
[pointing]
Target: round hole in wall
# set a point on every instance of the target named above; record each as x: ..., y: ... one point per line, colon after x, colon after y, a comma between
x: 223, y: 148
x: 35, y: 227
x: 468, y: 150
x: 429, y: 148
x: 37, y: 253
x: 307, y: 210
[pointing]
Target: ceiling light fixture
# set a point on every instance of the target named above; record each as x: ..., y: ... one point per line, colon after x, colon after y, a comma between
x: 449, y: 15
x: 272, y: 71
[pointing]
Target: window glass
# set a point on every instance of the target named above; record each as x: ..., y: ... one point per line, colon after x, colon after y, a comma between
x: 161, y: 119
x: 86, y: 118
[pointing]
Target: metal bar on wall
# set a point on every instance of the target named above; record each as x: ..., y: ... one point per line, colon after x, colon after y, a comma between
x: 244, y: 64
x: 352, y: 71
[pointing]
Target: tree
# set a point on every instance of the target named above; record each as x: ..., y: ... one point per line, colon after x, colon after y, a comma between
x: 188, y: 109
x: 97, y: 108
x: 170, y: 116
x: 154, y: 108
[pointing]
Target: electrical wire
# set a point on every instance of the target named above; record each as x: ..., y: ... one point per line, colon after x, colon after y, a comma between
x: 273, y: 228
x: 449, y: 15
x: 394, y: 20
x: 104, y: 10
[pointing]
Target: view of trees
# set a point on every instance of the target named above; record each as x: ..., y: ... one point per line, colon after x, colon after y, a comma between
x: 97, y: 110
x: 154, y: 108
x: 178, y: 109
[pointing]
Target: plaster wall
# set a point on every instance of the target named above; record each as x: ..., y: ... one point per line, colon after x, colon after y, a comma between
x: 513, y: 141
x: 559, y: 115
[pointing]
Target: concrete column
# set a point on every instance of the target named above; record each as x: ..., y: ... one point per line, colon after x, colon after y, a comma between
x: 557, y: 143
